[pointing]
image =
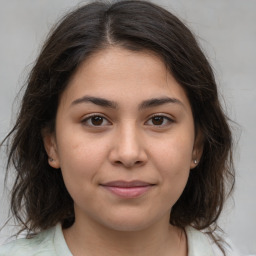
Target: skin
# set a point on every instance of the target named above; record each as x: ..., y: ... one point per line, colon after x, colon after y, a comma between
x: 124, y: 142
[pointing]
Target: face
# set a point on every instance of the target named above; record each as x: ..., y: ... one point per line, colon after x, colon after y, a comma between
x: 124, y: 140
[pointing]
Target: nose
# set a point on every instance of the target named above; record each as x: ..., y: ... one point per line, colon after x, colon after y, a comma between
x: 128, y: 148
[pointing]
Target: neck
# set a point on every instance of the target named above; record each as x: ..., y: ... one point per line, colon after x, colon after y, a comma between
x: 90, y: 238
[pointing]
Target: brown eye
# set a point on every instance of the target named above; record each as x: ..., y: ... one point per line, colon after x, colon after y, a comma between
x: 157, y: 120
x: 95, y: 120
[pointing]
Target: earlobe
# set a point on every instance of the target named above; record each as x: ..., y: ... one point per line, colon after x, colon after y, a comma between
x: 51, y: 149
x: 197, y: 150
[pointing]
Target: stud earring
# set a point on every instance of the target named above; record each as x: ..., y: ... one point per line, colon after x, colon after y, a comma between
x: 51, y: 159
x: 195, y: 161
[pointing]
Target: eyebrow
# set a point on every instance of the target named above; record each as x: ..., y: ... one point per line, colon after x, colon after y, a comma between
x: 154, y: 102
x: 95, y: 100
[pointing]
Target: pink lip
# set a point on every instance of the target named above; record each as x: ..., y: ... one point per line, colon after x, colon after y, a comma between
x: 130, y: 189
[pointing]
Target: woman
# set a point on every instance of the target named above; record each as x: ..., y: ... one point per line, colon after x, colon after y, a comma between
x: 121, y: 146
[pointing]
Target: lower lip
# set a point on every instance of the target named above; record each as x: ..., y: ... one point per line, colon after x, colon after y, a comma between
x: 128, y: 192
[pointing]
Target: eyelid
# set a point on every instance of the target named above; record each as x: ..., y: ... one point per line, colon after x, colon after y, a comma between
x: 87, y: 117
x: 165, y: 116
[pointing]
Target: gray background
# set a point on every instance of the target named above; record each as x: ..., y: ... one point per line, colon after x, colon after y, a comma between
x: 227, y: 32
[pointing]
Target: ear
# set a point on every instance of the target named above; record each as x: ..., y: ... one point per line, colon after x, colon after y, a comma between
x: 50, y: 146
x: 197, y: 149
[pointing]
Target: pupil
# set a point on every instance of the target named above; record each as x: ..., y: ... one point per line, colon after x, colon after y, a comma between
x: 97, y: 120
x: 158, y: 120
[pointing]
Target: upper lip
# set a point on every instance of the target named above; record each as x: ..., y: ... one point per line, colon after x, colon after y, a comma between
x: 127, y: 184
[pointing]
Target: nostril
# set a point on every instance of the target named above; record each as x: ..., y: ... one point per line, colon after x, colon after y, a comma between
x: 130, y: 164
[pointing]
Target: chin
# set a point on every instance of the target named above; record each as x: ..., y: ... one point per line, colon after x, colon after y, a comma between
x: 128, y: 226
x: 130, y: 223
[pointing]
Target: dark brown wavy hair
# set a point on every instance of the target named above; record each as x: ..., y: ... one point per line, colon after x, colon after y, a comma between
x: 39, y: 196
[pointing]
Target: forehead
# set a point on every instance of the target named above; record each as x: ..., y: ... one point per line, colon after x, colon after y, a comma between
x: 120, y: 74
x: 117, y: 62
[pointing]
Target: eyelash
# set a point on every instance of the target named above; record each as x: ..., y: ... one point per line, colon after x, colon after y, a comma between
x: 89, y: 118
x: 165, y: 119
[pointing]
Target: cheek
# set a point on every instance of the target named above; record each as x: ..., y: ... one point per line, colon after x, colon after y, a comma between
x: 80, y: 166
x: 81, y: 159
x: 173, y: 158
x: 174, y: 152
x: 77, y: 148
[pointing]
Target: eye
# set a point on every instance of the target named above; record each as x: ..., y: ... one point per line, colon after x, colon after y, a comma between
x: 95, y: 120
x: 159, y: 120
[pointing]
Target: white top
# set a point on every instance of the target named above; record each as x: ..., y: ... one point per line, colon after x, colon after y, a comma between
x: 52, y: 243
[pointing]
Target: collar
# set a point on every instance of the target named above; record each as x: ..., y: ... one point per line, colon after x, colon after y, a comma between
x: 198, y: 243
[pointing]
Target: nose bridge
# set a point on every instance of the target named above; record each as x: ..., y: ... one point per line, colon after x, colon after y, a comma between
x: 129, y: 147
x: 128, y: 140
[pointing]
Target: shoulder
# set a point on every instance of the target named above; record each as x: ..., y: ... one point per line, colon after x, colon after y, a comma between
x: 40, y: 245
x: 198, y: 243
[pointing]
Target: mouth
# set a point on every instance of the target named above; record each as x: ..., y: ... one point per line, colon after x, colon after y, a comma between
x: 128, y: 189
